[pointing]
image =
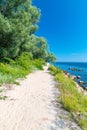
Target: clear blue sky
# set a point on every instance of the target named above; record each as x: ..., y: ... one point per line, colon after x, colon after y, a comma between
x: 64, y: 24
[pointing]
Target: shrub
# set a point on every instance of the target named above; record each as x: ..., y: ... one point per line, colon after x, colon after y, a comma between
x: 6, y: 69
x: 24, y: 61
x: 38, y: 63
x: 9, y: 73
x: 8, y: 60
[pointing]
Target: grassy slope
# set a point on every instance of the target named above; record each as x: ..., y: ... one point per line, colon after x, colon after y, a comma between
x: 71, y: 99
x: 12, y: 70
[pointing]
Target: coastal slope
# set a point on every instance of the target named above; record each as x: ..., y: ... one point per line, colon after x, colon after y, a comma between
x: 32, y: 105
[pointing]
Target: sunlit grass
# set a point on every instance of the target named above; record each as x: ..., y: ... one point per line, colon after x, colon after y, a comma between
x: 19, y: 68
x: 71, y: 99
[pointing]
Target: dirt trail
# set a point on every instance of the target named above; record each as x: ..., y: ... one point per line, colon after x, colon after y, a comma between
x: 32, y: 106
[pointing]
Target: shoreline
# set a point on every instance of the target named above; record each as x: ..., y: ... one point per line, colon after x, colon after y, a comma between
x: 75, y: 70
x: 72, y: 96
x: 78, y: 86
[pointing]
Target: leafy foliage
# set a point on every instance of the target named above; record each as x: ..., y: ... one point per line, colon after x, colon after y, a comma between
x: 38, y: 63
x: 20, y: 50
x: 24, y: 60
x: 50, y: 57
x: 18, y: 23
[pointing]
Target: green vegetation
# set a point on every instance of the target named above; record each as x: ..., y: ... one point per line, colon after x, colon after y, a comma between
x: 18, y: 23
x: 72, y: 100
x: 18, y: 69
x: 21, y: 51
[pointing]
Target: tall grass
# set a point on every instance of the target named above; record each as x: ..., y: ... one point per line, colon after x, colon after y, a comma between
x: 11, y: 70
x: 72, y: 100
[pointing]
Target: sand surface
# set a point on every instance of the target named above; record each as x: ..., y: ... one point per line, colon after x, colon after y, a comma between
x: 32, y: 106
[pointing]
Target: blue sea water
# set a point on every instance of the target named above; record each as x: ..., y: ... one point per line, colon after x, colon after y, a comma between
x: 80, y: 69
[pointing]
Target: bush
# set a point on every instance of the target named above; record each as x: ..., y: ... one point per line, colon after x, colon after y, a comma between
x: 38, y: 63
x: 7, y: 60
x: 6, y: 69
x: 9, y: 73
x: 24, y: 60
x: 12, y: 70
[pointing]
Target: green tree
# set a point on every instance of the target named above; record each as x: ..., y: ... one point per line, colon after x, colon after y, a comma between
x: 18, y: 19
x: 50, y: 57
x: 18, y: 23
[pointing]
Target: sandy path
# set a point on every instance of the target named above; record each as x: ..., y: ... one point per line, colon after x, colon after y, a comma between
x: 32, y: 106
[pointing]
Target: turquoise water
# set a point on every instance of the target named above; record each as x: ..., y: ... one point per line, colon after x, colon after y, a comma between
x: 75, y: 68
